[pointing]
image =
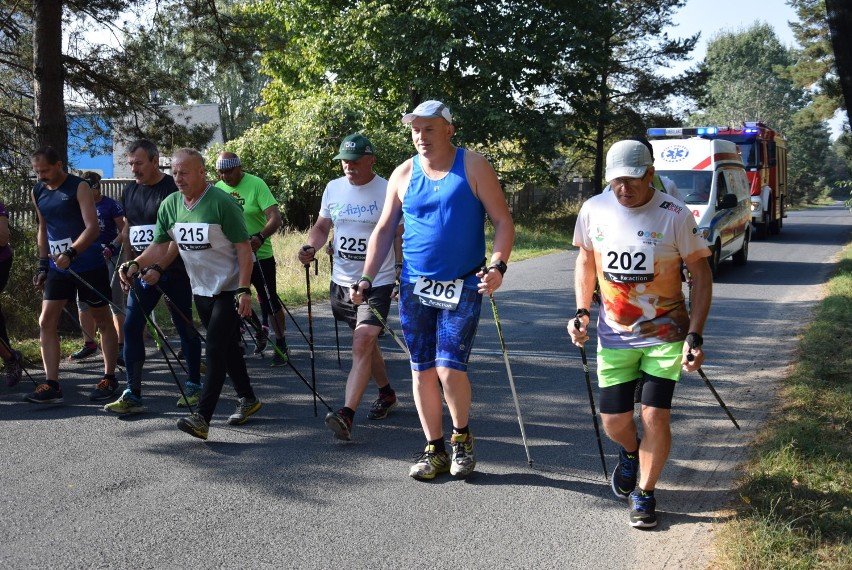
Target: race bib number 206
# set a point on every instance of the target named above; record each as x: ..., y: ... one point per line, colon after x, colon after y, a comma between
x: 439, y: 294
x: 192, y: 236
x: 629, y: 264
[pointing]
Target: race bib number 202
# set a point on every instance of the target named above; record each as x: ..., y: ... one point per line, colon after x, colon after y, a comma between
x: 629, y: 264
x: 192, y: 236
x: 439, y: 294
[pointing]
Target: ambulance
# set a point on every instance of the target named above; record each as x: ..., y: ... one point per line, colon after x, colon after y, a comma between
x: 710, y: 176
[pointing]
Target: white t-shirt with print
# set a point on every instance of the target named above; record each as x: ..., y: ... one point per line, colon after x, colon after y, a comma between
x: 354, y: 211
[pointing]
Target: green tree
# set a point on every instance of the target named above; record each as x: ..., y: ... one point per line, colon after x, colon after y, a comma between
x: 813, y: 63
x: 492, y: 63
x: 293, y: 154
x: 839, y: 23
x: 624, y: 56
x: 745, y: 80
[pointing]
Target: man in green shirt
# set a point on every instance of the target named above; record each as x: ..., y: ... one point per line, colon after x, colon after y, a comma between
x: 262, y: 220
x: 207, y: 229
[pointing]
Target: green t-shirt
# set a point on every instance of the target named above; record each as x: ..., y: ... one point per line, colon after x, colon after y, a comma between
x: 205, y: 236
x: 254, y: 196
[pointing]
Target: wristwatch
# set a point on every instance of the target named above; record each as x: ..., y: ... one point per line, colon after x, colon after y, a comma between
x: 499, y: 265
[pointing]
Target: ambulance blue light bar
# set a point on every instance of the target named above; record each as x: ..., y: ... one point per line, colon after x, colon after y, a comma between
x: 682, y: 131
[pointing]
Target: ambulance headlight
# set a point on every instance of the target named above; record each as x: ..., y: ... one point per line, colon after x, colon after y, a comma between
x: 755, y: 207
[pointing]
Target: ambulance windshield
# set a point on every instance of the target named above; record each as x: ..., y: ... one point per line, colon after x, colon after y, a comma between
x: 693, y: 185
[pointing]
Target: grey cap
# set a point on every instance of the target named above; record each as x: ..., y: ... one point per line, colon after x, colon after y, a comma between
x: 627, y: 159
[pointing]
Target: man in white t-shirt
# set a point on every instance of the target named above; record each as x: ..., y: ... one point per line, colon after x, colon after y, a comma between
x: 632, y: 241
x: 352, y: 204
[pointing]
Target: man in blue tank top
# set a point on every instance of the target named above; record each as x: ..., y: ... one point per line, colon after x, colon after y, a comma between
x: 442, y: 194
x: 67, y: 240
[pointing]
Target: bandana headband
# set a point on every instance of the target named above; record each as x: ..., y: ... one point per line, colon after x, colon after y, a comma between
x: 227, y: 163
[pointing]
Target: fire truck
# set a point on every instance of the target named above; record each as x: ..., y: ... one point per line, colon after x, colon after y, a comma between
x: 764, y: 155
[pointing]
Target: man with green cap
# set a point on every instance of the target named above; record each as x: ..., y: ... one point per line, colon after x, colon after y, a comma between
x: 353, y: 204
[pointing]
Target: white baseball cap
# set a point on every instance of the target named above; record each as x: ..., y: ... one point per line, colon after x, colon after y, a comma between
x: 627, y: 159
x: 429, y: 110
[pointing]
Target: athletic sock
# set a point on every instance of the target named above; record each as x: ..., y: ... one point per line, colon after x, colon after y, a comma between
x: 645, y: 493
x: 465, y: 429
x: 109, y: 376
x: 386, y: 390
x: 90, y: 344
x: 53, y: 384
x: 439, y: 445
x: 348, y: 413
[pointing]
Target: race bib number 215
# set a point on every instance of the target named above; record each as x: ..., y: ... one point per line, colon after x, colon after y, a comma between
x: 193, y: 236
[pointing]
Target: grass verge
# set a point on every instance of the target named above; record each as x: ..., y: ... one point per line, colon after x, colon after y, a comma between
x: 795, y: 507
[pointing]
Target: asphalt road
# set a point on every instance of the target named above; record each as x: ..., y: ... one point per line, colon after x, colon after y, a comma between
x: 83, y: 489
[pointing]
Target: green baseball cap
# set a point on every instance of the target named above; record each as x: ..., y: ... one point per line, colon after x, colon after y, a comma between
x: 354, y: 147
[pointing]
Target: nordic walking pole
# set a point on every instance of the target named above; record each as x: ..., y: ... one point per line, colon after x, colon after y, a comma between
x: 161, y: 340
x: 690, y: 358
x: 311, y: 327
x: 115, y: 265
x: 76, y: 276
x: 336, y: 332
x: 509, y: 372
x: 383, y: 322
x: 591, y: 400
x: 253, y: 321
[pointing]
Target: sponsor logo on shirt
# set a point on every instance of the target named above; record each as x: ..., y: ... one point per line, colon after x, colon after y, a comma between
x: 671, y: 207
x: 240, y: 200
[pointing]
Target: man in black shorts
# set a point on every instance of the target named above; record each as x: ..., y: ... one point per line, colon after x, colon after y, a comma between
x: 352, y: 204
x: 67, y: 241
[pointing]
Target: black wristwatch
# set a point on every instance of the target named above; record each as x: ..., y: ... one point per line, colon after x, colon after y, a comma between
x: 694, y: 340
x: 500, y: 266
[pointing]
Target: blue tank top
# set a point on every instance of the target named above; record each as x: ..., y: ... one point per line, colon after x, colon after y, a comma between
x: 444, y: 236
x: 61, y: 213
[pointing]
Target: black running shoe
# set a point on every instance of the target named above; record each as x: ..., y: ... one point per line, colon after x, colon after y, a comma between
x: 45, y: 394
x: 625, y: 473
x: 642, y: 509
x: 340, y: 425
x: 104, y: 390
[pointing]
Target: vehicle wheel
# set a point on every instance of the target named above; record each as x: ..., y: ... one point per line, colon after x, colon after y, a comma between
x: 741, y: 256
x: 715, y: 259
x: 761, y: 230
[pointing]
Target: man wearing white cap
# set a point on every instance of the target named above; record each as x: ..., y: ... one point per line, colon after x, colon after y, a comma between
x: 632, y: 241
x: 442, y: 194
x: 262, y: 220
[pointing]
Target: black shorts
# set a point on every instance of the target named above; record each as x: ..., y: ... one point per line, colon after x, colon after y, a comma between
x: 346, y: 311
x: 64, y: 286
x: 650, y: 390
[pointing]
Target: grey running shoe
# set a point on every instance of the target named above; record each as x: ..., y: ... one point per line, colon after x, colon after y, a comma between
x: 245, y: 408
x: 278, y: 359
x: 104, y: 390
x: 261, y: 340
x: 464, y: 459
x: 194, y: 425
x: 340, y: 425
x: 382, y: 407
x: 85, y: 351
x: 429, y: 464
x: 642, y: 509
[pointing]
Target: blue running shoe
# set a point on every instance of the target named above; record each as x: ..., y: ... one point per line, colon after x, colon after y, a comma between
x: 643, y: 508
x: 625, y: 473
